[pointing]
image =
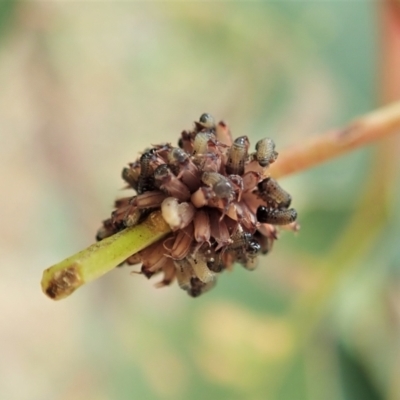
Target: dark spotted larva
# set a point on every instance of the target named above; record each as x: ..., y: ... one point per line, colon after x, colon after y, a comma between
x: 270, y: 191
x: 146, y: 178
x: 276, y: 216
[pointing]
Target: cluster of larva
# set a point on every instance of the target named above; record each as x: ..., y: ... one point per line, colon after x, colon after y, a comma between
x: 217, y: 198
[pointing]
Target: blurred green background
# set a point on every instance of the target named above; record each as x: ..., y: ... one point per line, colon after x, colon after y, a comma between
x: 85, y: 86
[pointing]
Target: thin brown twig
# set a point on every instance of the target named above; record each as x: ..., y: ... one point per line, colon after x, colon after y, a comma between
x: 370, y: 127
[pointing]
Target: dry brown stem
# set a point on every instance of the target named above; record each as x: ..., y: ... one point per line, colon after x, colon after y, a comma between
x: 364, y: 130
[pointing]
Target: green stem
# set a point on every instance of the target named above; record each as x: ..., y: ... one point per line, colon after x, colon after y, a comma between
x: 64, y: 278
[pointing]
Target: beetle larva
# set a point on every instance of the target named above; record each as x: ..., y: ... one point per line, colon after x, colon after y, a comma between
x: 243, y: 242
x: 201, y: 142
x: 146, y: 178
x: 206, y: 121
x: 270, y: 191
x: 237, y: 156
x: 200, y: 268
x: 220, y: 185
x: 265, y: 152
x: 197, y: 287
x: 185, y: 168
x: 276, y: 216
x: 184, y: 274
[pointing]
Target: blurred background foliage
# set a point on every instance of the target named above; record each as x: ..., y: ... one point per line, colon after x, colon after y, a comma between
x: 85, y: 86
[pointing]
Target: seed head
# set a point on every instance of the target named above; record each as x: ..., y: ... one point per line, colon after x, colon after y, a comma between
x: 218, y: 199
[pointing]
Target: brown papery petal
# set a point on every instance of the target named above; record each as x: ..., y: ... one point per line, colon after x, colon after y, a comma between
x: 134, y: 259
x: 250, y: 180
x: 152, y: 254
x: 246, y: 217
x: 223, y: 133
x: 182, y: 244
x: 190, y: 176
x: 150, y: 199
x: 177, y: 189
x: 219, y: 230
x: 169, y: 274
x: 124, y: 201
x: 201, y: 227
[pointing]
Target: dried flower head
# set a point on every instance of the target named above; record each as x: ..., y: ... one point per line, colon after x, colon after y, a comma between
x: 217, y: 198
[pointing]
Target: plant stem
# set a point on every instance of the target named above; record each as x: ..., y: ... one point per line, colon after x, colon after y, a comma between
x: 62, y: 279
x: 366, y: 129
